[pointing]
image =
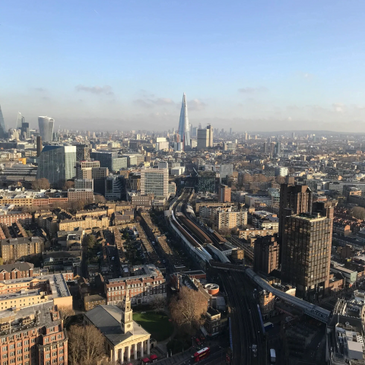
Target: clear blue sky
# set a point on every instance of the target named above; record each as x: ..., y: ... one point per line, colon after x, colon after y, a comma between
x: 123, y: 64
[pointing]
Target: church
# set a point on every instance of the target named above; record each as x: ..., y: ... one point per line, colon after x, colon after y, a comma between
x: 124, y: 338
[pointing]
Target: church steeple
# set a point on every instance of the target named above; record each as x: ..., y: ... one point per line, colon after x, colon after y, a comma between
x: 127, y: 315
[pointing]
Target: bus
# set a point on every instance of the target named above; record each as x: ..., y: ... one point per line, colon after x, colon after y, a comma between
x: 201, y: 354
x: 268, y: 326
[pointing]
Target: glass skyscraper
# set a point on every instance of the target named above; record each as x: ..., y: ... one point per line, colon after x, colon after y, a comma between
x: 46, y: 125
x: 57, y: 164
x: 2, y: 125
x: 184, y: 126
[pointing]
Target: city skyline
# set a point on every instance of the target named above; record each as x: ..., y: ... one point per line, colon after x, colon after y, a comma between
x: 255, y: 65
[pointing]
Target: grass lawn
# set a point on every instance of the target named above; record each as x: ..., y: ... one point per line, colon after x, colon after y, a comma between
x: 156, y: 324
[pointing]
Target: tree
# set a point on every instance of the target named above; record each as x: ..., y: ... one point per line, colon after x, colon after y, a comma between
x: 280, y: 179
x: 69, y: 184
x: 159, y: 302
x: 247, y: 178
x: 85, y: 345
x: 41, y: 184
x: 99, y: 199
x: 90, y: 241
x: 188, y: 309
x: 66, y: 314
x: 358, y: 212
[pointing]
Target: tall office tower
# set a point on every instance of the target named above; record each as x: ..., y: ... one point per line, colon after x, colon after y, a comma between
x: 294, y: 199
x: 25, y: 133
x: 19, y: 121
x: 306, y: 251
x: 203, y: 139
x: 266, y: 254
x: 224, y: 194
x: 210, y: 135
x: 46, y: 125
x: 3, y: 132
x: 39, y: 145
x: 155, y: 181
x: 184, y: 127
x: 82, y: 152
x: 57, y: 164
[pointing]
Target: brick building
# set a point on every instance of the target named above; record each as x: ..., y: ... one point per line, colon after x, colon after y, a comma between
x: 146, y: 284
x: 266, y: 254
x: 33, y: 335
x: 16, y: 271
x: 15, y: 248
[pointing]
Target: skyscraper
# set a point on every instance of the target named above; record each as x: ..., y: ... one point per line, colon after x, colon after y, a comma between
x: 306, y: 248
x: 46, y: 125
x: 19, y: 121
x: 294, y: 199
x: 184, y: 127
x: 57, y: 164
x: 2, y: 125
x: 205, y: 137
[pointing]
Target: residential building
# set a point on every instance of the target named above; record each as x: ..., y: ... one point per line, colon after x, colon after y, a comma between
x: 15, y: 248
x: 306, y: 251
x: 266, y: 254
x: 294, y: 199
x: 155, y: 181
x: 33, y: 335
x: 146, y: 284
x: 85, y: 195
x: 224, y: 194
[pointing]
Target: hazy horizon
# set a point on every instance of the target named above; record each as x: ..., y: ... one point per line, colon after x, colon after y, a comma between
x: 255, y: 66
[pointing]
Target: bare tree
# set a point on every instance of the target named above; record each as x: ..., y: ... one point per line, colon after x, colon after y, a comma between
x: 188, y: 309
x: 69, y: 184
x: 159, y: 302
x: 99, y: 199
x: 86, y: 345
x: 358, y: 212
x: 41, y: 183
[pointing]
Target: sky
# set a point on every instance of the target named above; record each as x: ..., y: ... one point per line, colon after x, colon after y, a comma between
x: 259, y: 65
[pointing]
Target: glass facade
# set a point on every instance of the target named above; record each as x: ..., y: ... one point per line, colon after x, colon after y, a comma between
x: 46, y: 125
x: 2, y: 125
x: 57, y: 164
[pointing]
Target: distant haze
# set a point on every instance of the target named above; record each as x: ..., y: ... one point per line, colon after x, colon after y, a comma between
x: 246, y: 65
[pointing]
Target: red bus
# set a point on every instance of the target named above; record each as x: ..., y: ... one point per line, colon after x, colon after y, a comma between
x: 153, y: 358
x: 201, y: 354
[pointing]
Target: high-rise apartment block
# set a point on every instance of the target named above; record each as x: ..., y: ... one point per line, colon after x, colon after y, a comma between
x: 294, y: 199
x: 306, y: 250
x: 155, y: 181
x: 57, y: 164
x: 46, y: 125
x: 266, y: 254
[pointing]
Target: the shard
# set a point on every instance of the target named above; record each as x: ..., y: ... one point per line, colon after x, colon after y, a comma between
x: 2, y: 125
x: 184, y: 126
